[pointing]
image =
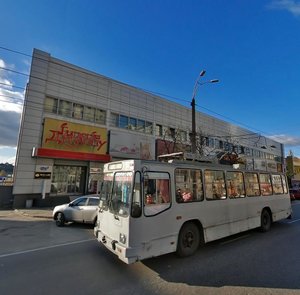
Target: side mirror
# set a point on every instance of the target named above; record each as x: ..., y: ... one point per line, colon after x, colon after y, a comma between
x: 71, y: 205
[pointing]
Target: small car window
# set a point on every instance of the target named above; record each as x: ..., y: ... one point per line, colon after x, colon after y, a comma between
x: 80, y: 202
x: 93, y: 202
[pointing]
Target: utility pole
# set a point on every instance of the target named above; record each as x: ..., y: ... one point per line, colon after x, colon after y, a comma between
x: 193, y: 104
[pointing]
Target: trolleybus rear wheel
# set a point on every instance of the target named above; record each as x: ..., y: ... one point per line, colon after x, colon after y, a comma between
x: 265, y: 220
x: 188, y: 240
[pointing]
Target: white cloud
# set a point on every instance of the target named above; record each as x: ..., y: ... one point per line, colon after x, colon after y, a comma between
x: 10, y: 99
x: 287, y: 140
x: 291, y: 6
x: 11, y: 102
x: 8, y: 155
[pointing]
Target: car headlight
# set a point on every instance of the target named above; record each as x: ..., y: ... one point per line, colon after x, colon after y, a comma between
x: 122, y: 238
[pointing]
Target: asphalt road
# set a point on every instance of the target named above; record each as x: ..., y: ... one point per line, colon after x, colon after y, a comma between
x: 36, y: 257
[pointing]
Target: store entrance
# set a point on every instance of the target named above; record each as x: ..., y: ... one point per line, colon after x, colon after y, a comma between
x: 68, y: 180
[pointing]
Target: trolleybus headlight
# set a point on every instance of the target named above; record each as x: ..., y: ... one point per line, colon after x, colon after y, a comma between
x: 122, y: 238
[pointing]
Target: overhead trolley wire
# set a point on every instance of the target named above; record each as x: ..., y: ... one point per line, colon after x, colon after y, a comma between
x: 86, y: 72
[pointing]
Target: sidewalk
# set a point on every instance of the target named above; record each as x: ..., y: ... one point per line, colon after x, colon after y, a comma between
x: 32, y: 212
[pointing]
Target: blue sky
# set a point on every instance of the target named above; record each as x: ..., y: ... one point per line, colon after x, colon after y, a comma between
x: 251, y: 46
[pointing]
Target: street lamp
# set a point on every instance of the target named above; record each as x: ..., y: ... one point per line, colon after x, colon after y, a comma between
x: 193, y: 104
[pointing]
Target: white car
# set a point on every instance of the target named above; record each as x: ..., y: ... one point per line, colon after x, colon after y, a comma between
x: 83, y: 209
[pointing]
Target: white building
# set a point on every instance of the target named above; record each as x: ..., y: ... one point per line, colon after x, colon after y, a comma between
x: 75, y: 120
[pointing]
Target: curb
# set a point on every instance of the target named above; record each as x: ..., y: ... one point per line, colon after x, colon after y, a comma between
x: 34, y: 214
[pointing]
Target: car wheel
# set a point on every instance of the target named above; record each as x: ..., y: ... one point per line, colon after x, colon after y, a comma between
x: 265, y: 221
x: 188, y: 240
x: 60, y: 219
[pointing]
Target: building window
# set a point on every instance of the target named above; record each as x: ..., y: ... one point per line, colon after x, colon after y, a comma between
x: 149, y: 128
x: 132, y: 123
x: 170, y: 132
x: 211, y: 142
x: 141, y: 125
x: 77, y: 111
x: 123, y: 121
x: 182, y: 135
x: 51, y: 105
x: 100, y: 116
x: 89, y: 114
x: 114, y: 120
x: 158, y: 130
x: 65, y: 108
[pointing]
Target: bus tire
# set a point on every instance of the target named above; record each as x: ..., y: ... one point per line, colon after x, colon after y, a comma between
x: 265, y: 220
x: 188, y: 240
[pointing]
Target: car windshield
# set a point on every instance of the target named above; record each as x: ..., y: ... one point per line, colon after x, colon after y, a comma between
x: 121, y: 193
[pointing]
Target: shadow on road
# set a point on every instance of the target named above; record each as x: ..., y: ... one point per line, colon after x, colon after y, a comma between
x: 250, y: 259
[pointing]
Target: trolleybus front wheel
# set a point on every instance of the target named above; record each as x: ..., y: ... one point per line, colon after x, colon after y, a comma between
x: 188, y: 240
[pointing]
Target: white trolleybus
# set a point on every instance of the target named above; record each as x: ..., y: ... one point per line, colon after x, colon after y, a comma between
x: 150, y: 208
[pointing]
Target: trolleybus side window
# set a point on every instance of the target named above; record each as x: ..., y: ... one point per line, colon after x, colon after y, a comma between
x: 214, y: 184
x: 252, y: 184
x: 235, y: 184
x: 265, y: 184
x: 285, y: 189
x: 157, y: 194
x: 188, y: 184
x: 277, y: 184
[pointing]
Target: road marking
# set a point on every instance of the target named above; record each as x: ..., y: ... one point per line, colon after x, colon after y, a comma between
x: 236, y: 239
x: 296, y: 220
x: 45, y: 248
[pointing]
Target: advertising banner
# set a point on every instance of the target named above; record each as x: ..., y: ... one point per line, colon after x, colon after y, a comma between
x: 126, y: 145
x: 74, y: 137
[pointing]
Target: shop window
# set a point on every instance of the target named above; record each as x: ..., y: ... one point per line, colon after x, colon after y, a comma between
x: 68, y: 180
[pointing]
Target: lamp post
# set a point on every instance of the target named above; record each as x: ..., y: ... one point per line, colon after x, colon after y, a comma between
x: 193, y: 104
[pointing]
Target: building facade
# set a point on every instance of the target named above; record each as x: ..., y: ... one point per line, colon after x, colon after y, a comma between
x: 293, y: 171
x: 75, y: 120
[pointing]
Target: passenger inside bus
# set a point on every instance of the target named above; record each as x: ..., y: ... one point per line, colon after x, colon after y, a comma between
x: 183, y: 195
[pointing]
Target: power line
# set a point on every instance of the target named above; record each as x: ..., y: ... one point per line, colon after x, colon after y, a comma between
x: 86, y: 72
